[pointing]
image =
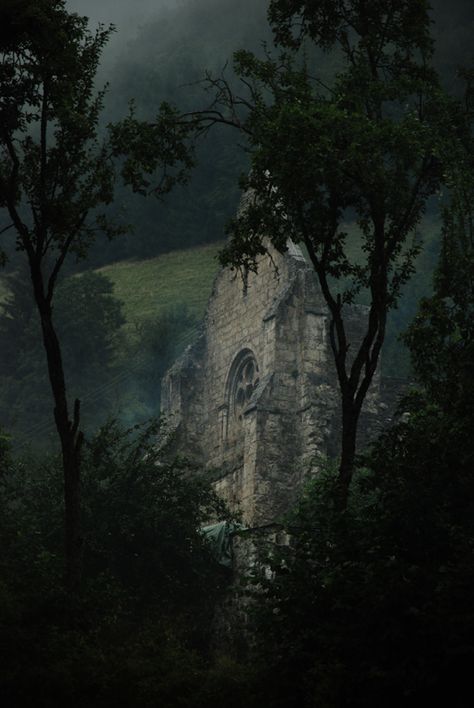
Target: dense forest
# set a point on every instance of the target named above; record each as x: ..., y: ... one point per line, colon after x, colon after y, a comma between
x: 357, y: 118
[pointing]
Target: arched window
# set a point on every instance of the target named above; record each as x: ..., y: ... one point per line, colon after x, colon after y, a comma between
x: 242, y: 381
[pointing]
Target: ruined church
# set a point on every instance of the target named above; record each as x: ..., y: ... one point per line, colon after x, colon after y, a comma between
x: 255, y: 399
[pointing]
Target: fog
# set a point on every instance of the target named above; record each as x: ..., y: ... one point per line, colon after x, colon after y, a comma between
x: 126, y: 16
x: 453, y: 23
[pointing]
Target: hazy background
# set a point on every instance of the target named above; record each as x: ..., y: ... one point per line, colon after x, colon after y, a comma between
x: 160, y: 51
x: 126, y: 16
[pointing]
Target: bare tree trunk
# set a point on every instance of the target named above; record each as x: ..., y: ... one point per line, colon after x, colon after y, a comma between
x: 71, y: 453
x: 71, y: 443
x: 350, y: 420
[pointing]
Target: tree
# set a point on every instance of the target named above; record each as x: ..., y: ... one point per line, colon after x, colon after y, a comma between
x: 374, y: 606
x: 367, y: 147
x: 57, y: 178
x: 88, y: 320
x: 161, y: 339
x: 441, y: 337
x: 149, y: 584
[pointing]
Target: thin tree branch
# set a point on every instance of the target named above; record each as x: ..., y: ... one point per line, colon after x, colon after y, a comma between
x: 6, y: 228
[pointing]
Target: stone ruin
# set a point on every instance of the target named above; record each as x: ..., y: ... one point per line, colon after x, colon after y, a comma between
x: 256, y: 398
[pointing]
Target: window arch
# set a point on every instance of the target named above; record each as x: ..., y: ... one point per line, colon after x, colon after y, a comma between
x: 242, y: 381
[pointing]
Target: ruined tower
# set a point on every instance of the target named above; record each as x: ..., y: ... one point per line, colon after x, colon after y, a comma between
x: 256, y: 398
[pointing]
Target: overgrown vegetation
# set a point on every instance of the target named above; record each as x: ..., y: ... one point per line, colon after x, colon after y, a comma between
x: 57, y: 178
x: 371, y: 605
x: 88, y: 320
x: 138, y: 631
x: 121, y: 327
x: 372, y: 144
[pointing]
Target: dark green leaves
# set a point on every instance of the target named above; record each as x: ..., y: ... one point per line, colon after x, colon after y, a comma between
x: 400, y: 27
x: 151, y: 147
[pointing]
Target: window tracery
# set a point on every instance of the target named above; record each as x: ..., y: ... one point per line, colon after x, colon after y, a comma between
x: 242, y: 381
x: 245, y: 382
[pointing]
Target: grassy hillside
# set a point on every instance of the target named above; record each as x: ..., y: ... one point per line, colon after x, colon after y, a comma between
x: 157, y: 331
x: 149, y: 287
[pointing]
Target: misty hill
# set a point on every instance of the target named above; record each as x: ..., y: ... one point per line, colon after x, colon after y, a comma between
x: 169, y: 48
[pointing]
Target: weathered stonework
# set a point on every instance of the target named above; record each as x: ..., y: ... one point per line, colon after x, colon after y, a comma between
x: 256, y: 397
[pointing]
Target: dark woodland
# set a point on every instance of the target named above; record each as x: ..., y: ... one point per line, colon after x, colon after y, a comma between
x: 128, y: 135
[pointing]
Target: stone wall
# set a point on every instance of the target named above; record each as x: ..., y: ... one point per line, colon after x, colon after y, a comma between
x: 256, y: 398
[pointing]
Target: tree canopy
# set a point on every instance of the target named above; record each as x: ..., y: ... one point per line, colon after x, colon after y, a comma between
x: 57, y: 178
x: 374, y: 606
x: 372, y: 145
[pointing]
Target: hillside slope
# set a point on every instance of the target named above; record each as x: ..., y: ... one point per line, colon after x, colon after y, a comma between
x: 150, y: 287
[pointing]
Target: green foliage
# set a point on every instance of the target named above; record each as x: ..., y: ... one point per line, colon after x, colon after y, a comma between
x: 51, y: 159
x: 373, y: 606
x: 160, y: 341
x: 121, y: 327
x: 86, y: 304
x: 363, y: 145
x: 148, y: 146
x: 155, y: 548
x: 88, y: 319
x: 149, y: 581
x: 441, y: 338
x: 5, y: 447
x: 54, y: 164
x: 327, y: 22
x: 57, y: 178
x: 165, y: 61
x: 371, y: 145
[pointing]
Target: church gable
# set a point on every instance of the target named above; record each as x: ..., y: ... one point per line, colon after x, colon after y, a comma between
x: 256, y: 398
